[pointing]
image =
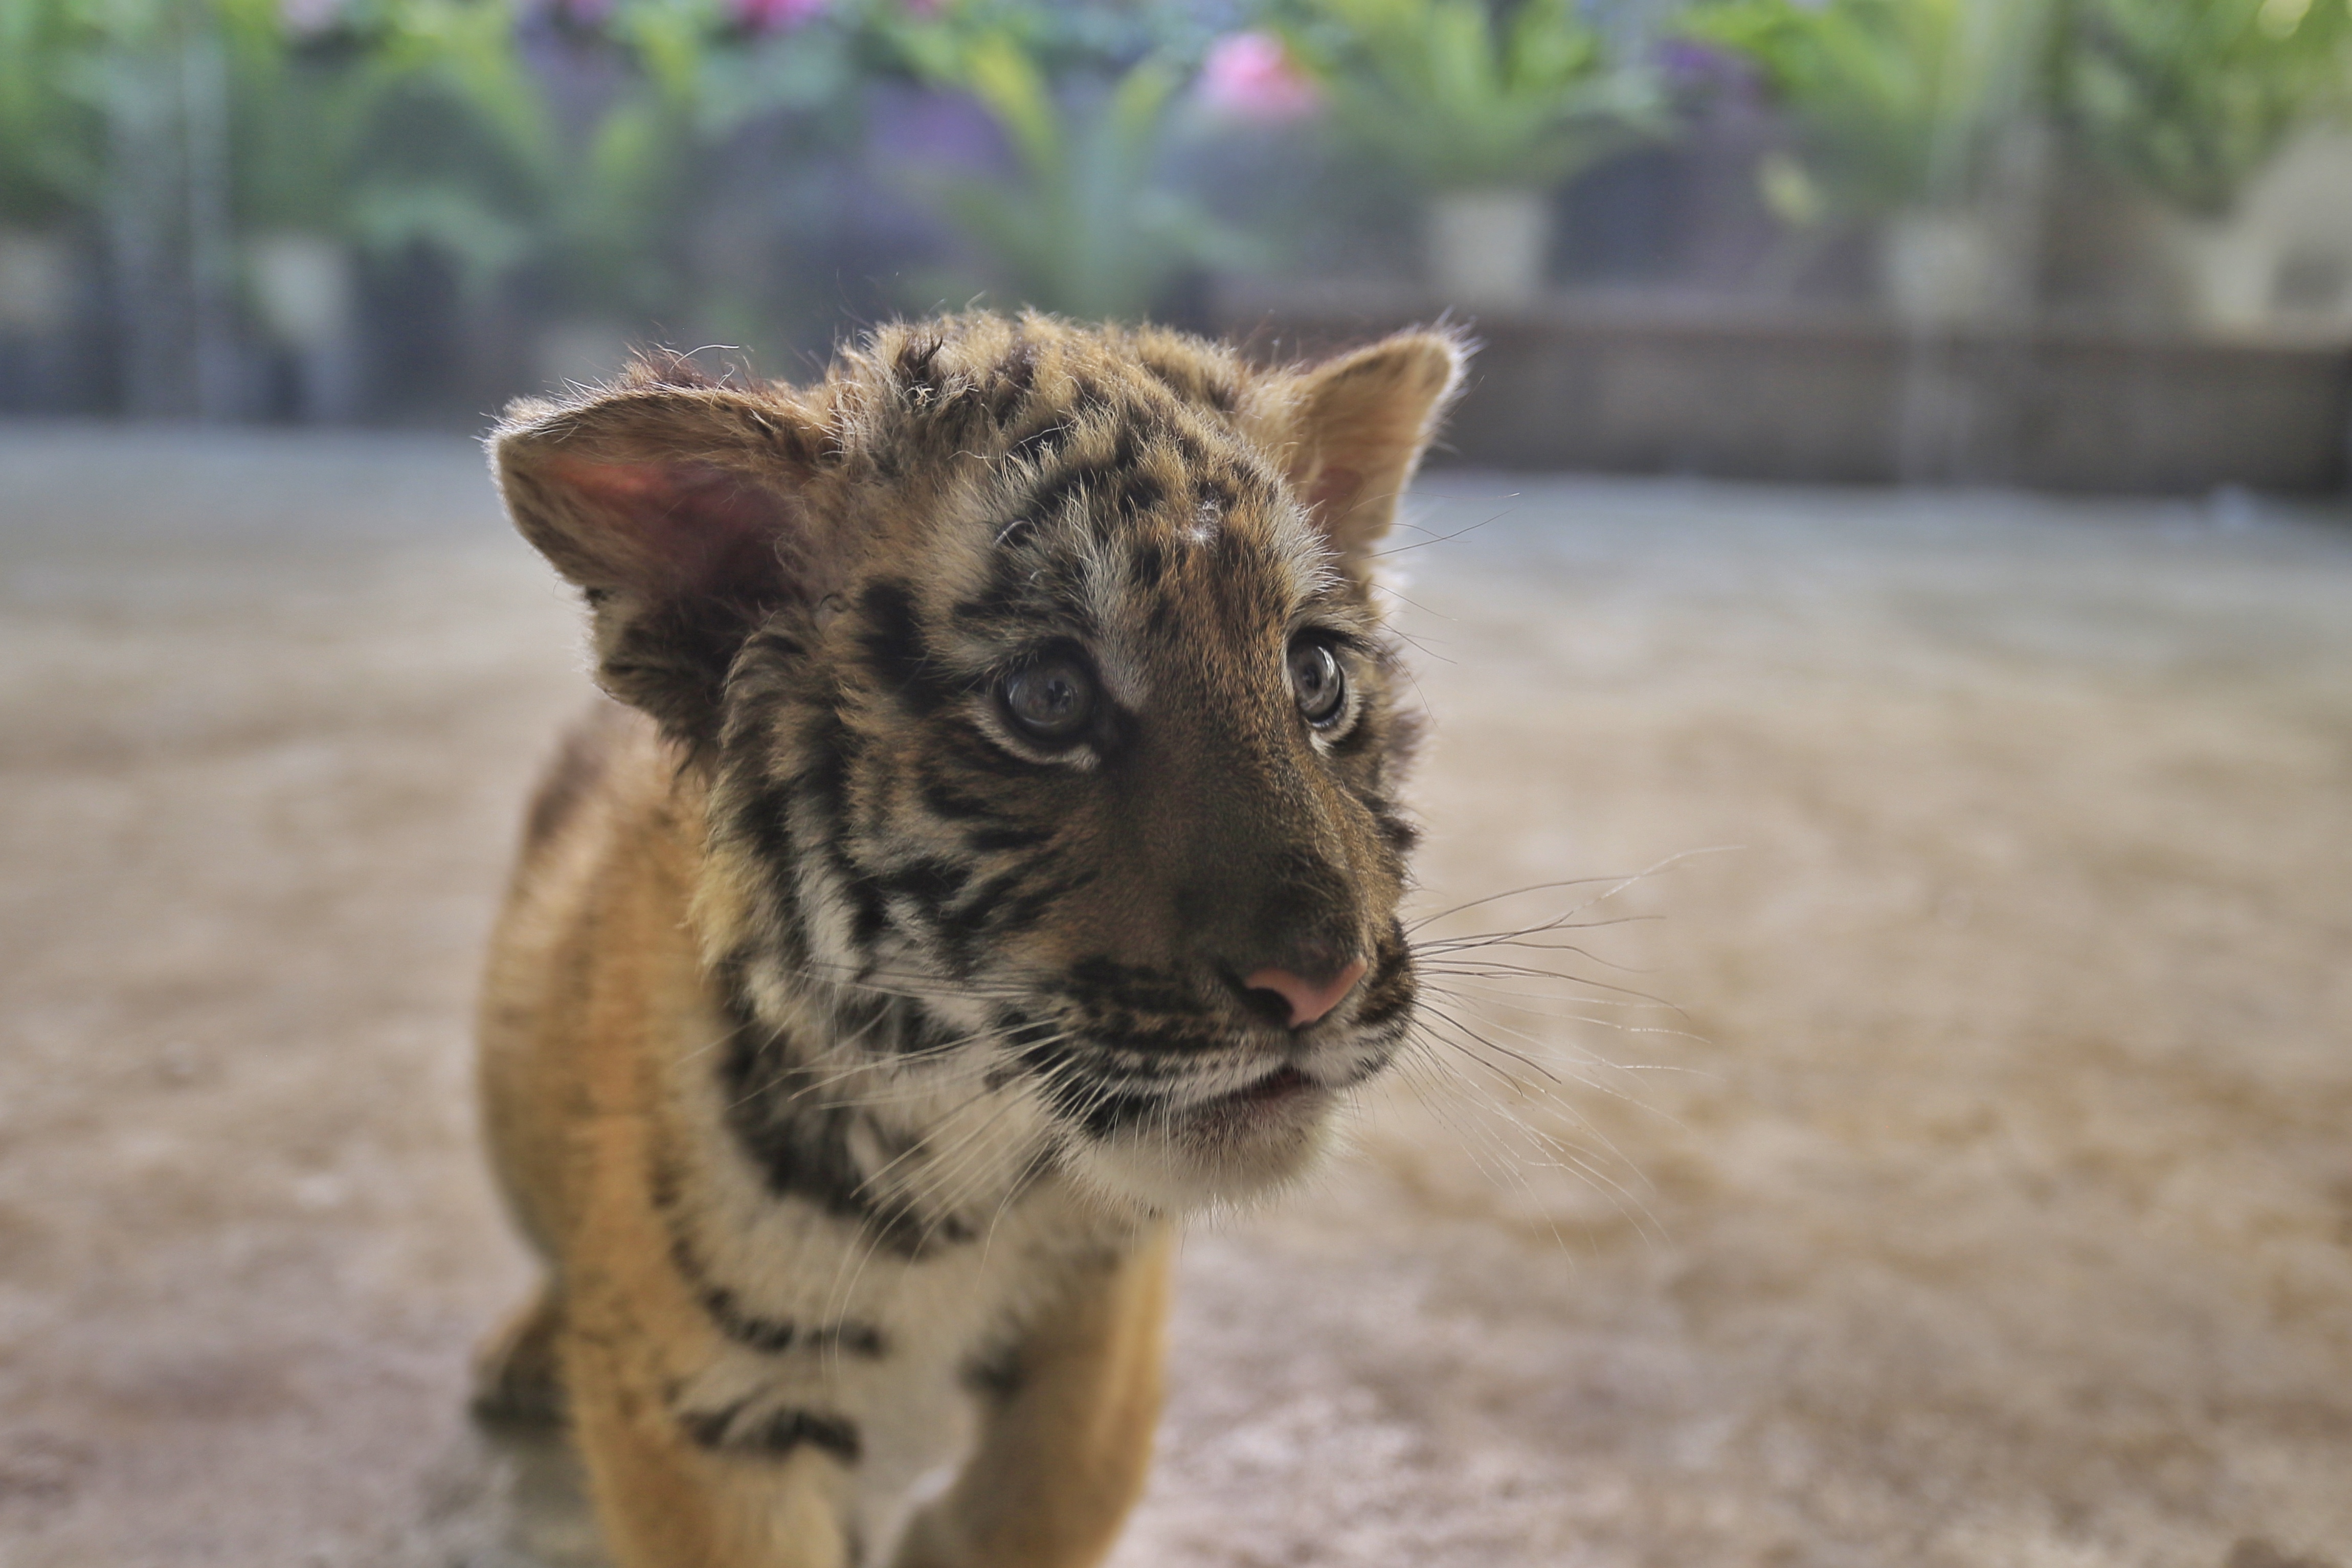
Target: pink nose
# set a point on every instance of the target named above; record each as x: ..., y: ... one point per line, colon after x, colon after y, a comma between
x: 1309, y: 999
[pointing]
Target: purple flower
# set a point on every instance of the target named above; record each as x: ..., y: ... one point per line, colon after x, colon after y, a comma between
x: 1687, y: 63
x: 1250, y: 77
x: 1703, y: 75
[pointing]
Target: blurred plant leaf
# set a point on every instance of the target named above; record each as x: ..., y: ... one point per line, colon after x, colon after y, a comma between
x: 1084, y: 222
x: 51, y: 138
x: 2192, y: 97
x: 1459, y: 98
x: 1897, y: 102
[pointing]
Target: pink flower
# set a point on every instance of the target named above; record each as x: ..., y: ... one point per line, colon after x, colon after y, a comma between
x: 778, y: 16
x: 1251, y: 77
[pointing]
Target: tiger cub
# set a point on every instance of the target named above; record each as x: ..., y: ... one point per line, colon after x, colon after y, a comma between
x: 992, y: 854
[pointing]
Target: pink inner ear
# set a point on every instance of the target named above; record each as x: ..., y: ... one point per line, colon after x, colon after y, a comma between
x: 1334, y: 492
x: 613, y: 486
x: 672, y: 528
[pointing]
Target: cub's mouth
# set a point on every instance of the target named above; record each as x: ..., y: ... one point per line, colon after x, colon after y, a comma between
x: 1286, y: 1098
x: 1282, y: 1082
x: 1282, y: 1086
x: 1195, y: 1100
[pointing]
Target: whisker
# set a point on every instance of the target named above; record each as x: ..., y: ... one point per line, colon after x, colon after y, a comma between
x: 1441, y: 539
x: 1584, y: 1079
x: 1620, y: 884
x: 1564, y: 1157
x: 1567, y: 1157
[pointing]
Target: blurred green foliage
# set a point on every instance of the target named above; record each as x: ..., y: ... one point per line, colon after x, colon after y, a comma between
x: 2192, y: 98
x: 1895, y: 102
x: 1457, y: 95
x: 567, y: 147
x: 1082, y: 223
x: 52, y: 139
x: 1907, y: 103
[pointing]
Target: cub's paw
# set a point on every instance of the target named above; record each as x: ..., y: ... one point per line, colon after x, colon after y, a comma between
x: 516, y: 1375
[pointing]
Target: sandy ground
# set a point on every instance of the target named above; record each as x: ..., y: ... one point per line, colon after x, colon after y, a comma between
x: 1984, y: 1197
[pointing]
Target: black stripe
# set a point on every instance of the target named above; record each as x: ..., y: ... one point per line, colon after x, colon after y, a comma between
x: 929, y: 882
x: 775, y: 1435
x: 772, y: 1336
x: 949, y: 803
x: 917, y: 367
x: 775, y: 642
x: 1009, y: 392
x: 1100, y: 982
x: 803, y: 1147
x: 752, y: 1331
x: 1392, y: 988
x: 995, y: 840
x: 1047, y: 500
x: 1141, y: 491
x: 1216, y: 493
x: 766, y: 819
x: 869, y: 915
x: 971, y: 916
x: 995, y: 1374
x: 1395, y: 832
x: 895, y: 647
x: 1021, y: 913
x: 921, y: 1034
x: 832, y: 748
x: 1193, y: 383
x: 1145, y: 564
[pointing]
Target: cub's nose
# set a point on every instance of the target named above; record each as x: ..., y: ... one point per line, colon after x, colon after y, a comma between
x: 1306, y: 998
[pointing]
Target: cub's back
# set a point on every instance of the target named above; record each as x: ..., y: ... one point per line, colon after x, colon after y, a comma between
x: 601, y: 861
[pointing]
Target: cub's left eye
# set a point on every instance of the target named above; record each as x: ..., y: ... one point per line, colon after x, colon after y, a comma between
x: 1051, y: 701
x: 1317, y: 681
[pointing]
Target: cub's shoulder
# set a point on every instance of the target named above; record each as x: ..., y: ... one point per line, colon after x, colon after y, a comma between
x: 610, y: 765
x: 593, y: 755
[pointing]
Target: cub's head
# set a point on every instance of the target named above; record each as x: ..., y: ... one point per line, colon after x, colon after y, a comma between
x: 1035, y: 683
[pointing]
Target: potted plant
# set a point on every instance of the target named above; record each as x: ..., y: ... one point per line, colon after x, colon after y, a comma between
x: 1902, y: 111
x: 1083, y: 221
x: 601, y: 121
x: 1484, y: 113
x: 303, y: 80
x: 50, y: 169
x: 2190, y: 100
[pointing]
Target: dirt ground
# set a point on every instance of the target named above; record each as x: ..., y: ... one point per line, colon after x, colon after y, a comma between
x: 1983, y: 1198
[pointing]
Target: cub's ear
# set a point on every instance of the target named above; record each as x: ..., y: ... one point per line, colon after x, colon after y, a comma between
x: 679, y: 506
x: 1355, y: 428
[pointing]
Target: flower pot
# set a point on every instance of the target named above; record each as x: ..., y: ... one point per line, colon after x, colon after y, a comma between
x: 304, y: 291
x: 35, y: 283
x: 1487, y: 247
x: 1943, y: 267
x: 302, y: 287
x: 2224, y: 271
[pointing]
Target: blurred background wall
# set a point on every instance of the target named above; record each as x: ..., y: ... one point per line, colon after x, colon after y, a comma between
x: 2100, y: 244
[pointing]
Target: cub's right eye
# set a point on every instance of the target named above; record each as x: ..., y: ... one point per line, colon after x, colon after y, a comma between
x: 1053, y: 700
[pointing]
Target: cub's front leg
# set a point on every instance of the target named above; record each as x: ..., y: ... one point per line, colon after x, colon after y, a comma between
x: 1065, y: 1443
x: 682, y: 1483
x: 669, y: 1501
